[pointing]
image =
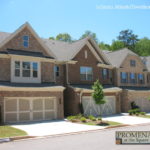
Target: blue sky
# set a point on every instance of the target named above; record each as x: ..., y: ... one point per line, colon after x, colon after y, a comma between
x: 50, y: 17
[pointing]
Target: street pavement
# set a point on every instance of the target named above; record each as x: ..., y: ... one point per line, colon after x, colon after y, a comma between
x: 92, y: 140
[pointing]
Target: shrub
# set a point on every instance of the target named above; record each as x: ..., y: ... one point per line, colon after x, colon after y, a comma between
x: 134, y: 105
x: 99, y: 118
x: 92, y: 118
x: 79, y: 116
x: 142, y: 113
x: 72, y: 118
x: 83, y: 119
x: 135, y: 111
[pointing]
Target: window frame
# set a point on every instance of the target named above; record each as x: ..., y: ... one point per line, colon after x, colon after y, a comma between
x: 25, y: 41
x: 23, y: 79
x: 57, y: 71
x: 124, y: 80
x: 133, y: 63
x: 86, y: 73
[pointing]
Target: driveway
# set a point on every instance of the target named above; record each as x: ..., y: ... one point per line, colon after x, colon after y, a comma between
x: 126, y: 119
x: 54, y: 127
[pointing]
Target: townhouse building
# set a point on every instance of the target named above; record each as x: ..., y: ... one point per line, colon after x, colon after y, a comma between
x: 43, y: 79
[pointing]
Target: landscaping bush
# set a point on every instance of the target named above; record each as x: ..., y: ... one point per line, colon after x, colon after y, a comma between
x: 72, y: 118
x: 99, y: 118
x: 135, y: 111
x: 134, y: 105
x: 92, y: 118
x: 83, y: 119
x: 142, y: 113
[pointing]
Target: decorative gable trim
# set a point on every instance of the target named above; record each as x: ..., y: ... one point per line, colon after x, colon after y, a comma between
x: 95, y: 50
x: 27, y: 25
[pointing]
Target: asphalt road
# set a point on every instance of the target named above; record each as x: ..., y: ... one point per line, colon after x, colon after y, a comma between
x: 96, y: 140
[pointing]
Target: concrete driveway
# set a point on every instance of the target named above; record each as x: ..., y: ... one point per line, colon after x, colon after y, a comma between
x: 54, y: 127
x: 126, y: 119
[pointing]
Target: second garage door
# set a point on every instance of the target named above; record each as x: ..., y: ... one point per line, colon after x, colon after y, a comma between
x: 29, y: 109
x: 91, y: 108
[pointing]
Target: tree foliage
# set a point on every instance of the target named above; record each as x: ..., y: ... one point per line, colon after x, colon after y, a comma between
x: 98, y: 94
x: 104, y: 46
x: 128, y: 38
x: 91, y: 34
x: 117, y: 45
x: 142, y: 47
x: 64, y: 37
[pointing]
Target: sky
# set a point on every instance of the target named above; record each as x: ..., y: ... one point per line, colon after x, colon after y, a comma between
x: 103, y: 17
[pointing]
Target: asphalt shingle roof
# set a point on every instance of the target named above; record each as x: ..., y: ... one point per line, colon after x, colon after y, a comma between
x: 117, y: 57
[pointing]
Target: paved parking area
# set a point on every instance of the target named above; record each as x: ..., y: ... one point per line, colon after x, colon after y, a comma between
x: 54, y: 127
x: 126, y: 119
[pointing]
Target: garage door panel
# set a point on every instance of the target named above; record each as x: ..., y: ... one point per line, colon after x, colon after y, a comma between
x: 91, y: 108
x: 11, y: 117
x: 29, y: 108
x: 49, y: 104
x: 10, y: 105
x: 37, y: 104
x: 24, y: 116
x: 24, y: 105
x: 49, y: 115
x: 37, y: 115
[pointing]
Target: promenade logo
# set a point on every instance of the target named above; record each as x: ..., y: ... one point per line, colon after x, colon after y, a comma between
x: 132, y: 137
x: 123, y: 7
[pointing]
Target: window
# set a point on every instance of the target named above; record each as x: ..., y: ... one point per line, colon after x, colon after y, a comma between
x: 132, y: 63
x: 17, y: 68
x: 105, y: 73
x: 35, y: 69
x: 56, y: 70
x: 26, y: 69
x: 86, y: 73
x: 132, y: 78
x: 124, y: 77
x: 26, y: 41
x: 141, y: 78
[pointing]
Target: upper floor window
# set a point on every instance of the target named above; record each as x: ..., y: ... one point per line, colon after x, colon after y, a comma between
x: 124, y: 77
x: 26, y: 69
x: 86, y: 73
x: 132, y: 77
x: 141, y: 78
x: 132, y: 63
x: 105, y: 73
x: 56, y: 70
x: 26, y: 41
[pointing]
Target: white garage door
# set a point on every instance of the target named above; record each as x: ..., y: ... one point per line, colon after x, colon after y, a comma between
x: 143, y: 103
x: 91, y: 108
x: 29, y: 109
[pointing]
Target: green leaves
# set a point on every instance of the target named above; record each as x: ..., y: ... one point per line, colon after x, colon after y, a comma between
x: 98, y: 94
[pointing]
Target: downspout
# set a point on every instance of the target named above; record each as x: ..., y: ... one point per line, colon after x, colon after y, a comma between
x: 67, y: 77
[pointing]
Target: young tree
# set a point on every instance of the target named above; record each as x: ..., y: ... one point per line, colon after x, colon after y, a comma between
x: 98, y: 94
x: 117, y: 45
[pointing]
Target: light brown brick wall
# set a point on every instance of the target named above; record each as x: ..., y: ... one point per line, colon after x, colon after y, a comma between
x: 91, y: 61
x: 125, y: 67
x: 140, y: 97
x: 16, y: 43
x: 47, y: 72
x: 4, y: 69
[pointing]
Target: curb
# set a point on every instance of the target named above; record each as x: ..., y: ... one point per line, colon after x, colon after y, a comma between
x: 4, y: 140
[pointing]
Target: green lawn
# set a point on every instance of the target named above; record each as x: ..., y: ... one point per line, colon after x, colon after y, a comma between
x: 144, y: 116
x: 7, y: 131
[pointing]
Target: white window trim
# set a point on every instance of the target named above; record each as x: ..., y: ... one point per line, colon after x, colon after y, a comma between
x: 22, y: 79
x: 86, y: 55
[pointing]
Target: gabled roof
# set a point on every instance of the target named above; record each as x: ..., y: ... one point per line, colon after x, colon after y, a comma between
x: 6, y: 37
x: 116, y: 58
x: 65, y: 51
x: 146, y: 61
x: 62, y: 51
